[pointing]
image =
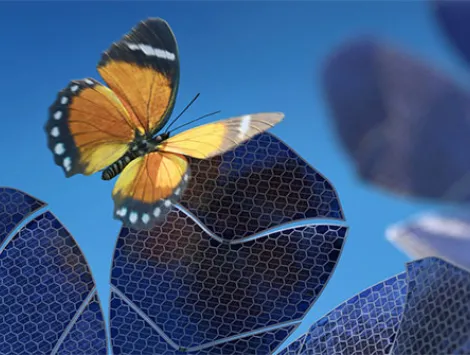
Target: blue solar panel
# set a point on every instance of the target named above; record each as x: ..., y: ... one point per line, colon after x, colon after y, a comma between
x: 400, y: 120
x: 365, y: 324
x: 14, y: 207
x: 258, y: 185
x: 218, y: 286
x: 437, y: 314
x: 454, y: 19
x: 295, y: 347
x: 47, y: 294
x: 445, y: 235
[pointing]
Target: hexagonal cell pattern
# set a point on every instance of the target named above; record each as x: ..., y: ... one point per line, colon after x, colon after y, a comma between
x: 388, y: 108
x: 258, y: 185
x: 295, y: 347
x: 197, y: 290
x: 131, y: 334
x: 445, y: 235
x: 365, y: 324
x: 437, y: 313
x: 87, y: 335
x: 45, y: 290
x: 14, y: 207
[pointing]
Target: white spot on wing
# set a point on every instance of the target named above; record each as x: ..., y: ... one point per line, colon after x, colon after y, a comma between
x: 64, y: 100
x: 59, y: 149
x: 167, y: 203
x: 145, y: 218
x: 157, y: 211
x: 89, y: 82
x: 151, y: 52
x: 122, y: 212
x: 177, y: 191
x: 244, y: 126
x: 67, y: 163
x: 55, y: 132
x: 133, y: 217
x: 74, y: 88
x: 58, y: 115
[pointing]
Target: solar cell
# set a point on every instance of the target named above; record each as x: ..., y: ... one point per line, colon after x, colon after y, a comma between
x: 48, y: 300
x: 227, y: 270
x: 445, y: 235
x: 400, y: 120
x: 436, y: 319
x: 365, y: 324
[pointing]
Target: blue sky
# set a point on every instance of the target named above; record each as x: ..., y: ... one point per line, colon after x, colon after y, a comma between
x: 243, y: 57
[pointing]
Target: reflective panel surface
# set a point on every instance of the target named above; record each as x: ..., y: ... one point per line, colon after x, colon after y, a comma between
x: 365, y: 324
x: 436, y: 319
x: 48, y: 300
x: 404, y: 124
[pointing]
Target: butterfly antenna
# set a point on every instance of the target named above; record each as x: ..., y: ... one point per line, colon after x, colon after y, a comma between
x: 197, y: 119
x: 181, y: 113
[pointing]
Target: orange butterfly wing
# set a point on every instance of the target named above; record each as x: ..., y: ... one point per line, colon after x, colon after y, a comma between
x: 148, y: 187
x: 88, y: 128
x: 143, y: 69
x: 216, y: 138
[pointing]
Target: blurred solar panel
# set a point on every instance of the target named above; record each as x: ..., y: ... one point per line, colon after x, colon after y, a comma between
x: 404, y: 124
x: 221, y: 286
x: 454, y: 19
x: 437, y: 313
x: 435, y: 234
x: 48, y: 300
x: 14, y: 207
x: 365, y: 324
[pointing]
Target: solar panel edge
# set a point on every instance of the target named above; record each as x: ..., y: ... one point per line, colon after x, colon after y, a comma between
x: 345, y: 302
x: 297, y: 322
x: 341, y: 210
x: 25, y: 219
x: 414, y: 270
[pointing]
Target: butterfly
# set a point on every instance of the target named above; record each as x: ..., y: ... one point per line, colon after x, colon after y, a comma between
x: 115, y: 128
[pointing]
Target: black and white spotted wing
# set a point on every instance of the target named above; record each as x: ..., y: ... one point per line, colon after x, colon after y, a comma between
x: 88, y: 128
x: 143, y: 70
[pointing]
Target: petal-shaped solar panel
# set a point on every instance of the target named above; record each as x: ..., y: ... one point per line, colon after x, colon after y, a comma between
x: 443, y: 235
x: 260, y: 184
x: 436, y: 319
x: 405, y: 125
x: 48, y: 300
x: 454, y: 19
x: 211, y: 279
x: 365, y: 324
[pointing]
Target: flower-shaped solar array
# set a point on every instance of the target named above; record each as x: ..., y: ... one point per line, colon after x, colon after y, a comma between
x: 423, y: 311
x: 232, y: 270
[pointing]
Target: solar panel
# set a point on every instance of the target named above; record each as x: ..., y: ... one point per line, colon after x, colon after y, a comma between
x: 443, y: 235
x: 365, y: 324
x: 212, y: 280
x: 48, y: 299
x: 400, y: 120
x: 260, y: 184
x: 14, y: 207
x: 436, y: 319
x: 454, y: 19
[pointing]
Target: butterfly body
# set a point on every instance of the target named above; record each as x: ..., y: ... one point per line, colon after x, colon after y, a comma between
x: 138, y: 148
x: 115, y: 128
